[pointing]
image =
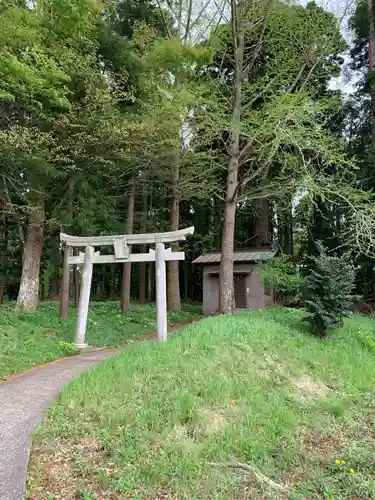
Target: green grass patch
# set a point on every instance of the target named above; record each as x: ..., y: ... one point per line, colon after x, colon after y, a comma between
x: 192, y: 418
x: 28, y: 339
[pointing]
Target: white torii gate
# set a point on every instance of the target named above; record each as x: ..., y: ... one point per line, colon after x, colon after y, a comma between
x: 122, y: 244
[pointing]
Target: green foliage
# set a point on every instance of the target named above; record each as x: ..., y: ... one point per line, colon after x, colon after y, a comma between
x: 28, y: 71
x: 246, y: 388
x: 181, y: 60
x: 328, y: 291
x: 282, y: 274
x: 59, y: 124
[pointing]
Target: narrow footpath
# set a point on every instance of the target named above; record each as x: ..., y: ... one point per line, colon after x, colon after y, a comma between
x: 23, y: 402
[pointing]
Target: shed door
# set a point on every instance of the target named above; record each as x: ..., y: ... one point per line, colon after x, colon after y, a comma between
x: 240, y: 291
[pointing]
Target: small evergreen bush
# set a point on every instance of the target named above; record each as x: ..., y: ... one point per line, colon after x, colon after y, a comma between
x: 329, y: 283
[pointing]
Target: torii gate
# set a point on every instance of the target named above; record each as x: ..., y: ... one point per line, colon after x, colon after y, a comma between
x: 122, y: 245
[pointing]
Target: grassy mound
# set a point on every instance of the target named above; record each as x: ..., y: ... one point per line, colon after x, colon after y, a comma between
x: 248, y: 406
x: 28, y: 339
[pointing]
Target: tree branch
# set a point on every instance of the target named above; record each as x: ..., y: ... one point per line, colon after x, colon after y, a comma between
x: 259, y: 94
x: 188, y: 21
x: 164, y: 20
x: 259, y: 43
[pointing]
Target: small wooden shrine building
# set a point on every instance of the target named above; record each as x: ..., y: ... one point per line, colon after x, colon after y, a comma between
x: 249, y: 292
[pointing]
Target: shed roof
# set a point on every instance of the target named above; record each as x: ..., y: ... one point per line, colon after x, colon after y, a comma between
x: 238, y: 256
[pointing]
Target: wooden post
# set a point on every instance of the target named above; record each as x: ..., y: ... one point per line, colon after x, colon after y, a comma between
x: 161, y: 293
x: 84, y: 297
x: 64, y: 291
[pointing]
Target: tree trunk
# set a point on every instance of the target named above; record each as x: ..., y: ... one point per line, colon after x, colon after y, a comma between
x: 75, y: 281
x: 187, y: 273
x: 288, y: 234
x: 150, y: 282
x: 103, y: 284
x: 75, y: 285
x: 74, y: 251
x: 64, y: 293
x: 3, y: 250
x: 46, y: 282
x: 112, y: 283
x: 150, y: 271
x: 142, y: 283
x: 2, y: 288
x: 126, y: 273
x: 227, y: 242
x: 55, y: 289
x: 29, y: 287
x: 262, y: 225
x: 371, y: 52
x: 142, y: 265
x: 173, y: 286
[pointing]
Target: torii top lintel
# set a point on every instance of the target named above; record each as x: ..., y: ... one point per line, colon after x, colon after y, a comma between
x: 131, y: 239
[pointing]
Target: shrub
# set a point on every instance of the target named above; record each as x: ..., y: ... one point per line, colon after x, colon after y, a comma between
x: 329, y: 283
x: 368, y: 341
x: 67, y: 348
x: 282, y: 275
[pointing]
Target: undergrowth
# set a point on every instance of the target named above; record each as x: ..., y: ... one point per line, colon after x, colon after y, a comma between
x: 28, y: 339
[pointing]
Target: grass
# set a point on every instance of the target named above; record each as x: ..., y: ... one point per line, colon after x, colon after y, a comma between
x: 28, y: 339
x: 191, y: 418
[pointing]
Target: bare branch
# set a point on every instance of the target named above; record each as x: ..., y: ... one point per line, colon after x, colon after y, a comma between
x: 259, y: 44
x: 297, y: 79
x: 164, y: 20
x: 259, y: 94
x: 309, y: 74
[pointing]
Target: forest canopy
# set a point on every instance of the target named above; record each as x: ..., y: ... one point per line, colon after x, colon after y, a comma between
x: 145, y: 116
